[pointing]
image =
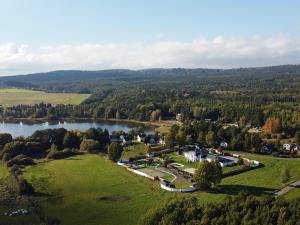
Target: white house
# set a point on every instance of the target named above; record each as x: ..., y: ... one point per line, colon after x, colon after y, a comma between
x: 223, y: 160
x: 125, y: 140
x: 296, y: 148
x: 191, y: 156
x: 179, y: 117
x: 141, y: 137
x: 195, y: 155
x: 287, y: 147
x: 224, y: 144
x: 291, y: 147
x: 161, y: 141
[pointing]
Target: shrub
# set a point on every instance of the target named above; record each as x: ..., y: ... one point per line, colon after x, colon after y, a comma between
x: 115, y: 151
x: 5, y: 138
x: 25, y: 188
x: 55, y: 154
x: 20, y: 160
x: 34, y: 148
x: 14, y: 148
x: 90, y: 146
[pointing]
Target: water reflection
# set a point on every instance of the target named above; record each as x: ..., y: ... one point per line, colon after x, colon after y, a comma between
x: 26, y: 129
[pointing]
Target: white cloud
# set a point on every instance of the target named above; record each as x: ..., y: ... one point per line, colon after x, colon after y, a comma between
x: 219, y: 52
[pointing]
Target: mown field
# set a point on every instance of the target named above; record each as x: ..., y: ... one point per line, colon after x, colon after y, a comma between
x: 134, y: 150
x: 13, y: 96
x: 89, y: 189
x: 293, y: 194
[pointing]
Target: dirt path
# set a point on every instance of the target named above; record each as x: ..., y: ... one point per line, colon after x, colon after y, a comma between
x: 287, y: 188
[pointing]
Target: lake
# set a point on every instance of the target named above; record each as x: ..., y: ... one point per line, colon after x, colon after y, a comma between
x: 27, y: 129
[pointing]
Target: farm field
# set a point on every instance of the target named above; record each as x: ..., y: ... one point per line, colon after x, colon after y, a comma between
x: 91, y: 190
x: 13, y: 96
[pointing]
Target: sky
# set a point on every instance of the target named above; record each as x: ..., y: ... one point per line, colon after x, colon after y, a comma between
x: 46, y: 35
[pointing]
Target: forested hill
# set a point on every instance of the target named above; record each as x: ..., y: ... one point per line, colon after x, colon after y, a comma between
x: 225, y: 95
x: 76, y: 80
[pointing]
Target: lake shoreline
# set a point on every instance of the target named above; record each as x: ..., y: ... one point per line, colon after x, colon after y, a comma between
x: 157, y: 126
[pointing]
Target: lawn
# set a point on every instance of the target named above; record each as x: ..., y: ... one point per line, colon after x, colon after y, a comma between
x: 90, y: 189
x: 134, y: 150
x: 13, y: 96
x: 262, y: 180
x: 293, y: 194
x: 3, y: 171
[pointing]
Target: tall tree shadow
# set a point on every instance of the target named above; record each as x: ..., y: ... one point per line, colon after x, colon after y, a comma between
x: 235, y: 189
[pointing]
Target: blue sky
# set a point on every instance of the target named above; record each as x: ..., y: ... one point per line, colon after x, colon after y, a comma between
x: 28, y: 26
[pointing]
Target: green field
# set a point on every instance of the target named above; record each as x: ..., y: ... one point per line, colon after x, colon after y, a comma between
x: 91, y: 190
x: 13, y: 96
x: 293, y: 194
x: 264, y: 179
x: 3, y: 171
x: 134, y: 150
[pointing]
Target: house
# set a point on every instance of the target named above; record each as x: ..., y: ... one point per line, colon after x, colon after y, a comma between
x: 266, y: 149
x: 151, y: 142
x: 296, y: 148
x: 161, y: 141
x: 223, y: 160
x: 195, y: 155
x: 141, y: 137
x: 115, y: 138
x: 179, y: 117
x: 290, y: 147
x: 226, y: 161
x: 125, y: 140
x: 254, y: 130
x: 224, y: 144
x: 287, y: 147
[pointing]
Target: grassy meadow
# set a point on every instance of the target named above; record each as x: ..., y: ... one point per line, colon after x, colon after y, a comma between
x: 3, y: 171
x: 90, y: 189
x: 134, y: 150
x: 293, y: 194
x: 14, y: 96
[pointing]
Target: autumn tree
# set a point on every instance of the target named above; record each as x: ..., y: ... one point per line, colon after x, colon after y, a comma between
x: 272, y: 126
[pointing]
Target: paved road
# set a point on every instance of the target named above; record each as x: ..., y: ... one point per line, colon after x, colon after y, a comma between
x: 287, y: 188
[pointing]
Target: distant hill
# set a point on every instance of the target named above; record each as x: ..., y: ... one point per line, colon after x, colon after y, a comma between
x: 68, y: 80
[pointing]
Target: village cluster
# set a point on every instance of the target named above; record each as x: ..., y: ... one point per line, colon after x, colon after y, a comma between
x: 174, y: 168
